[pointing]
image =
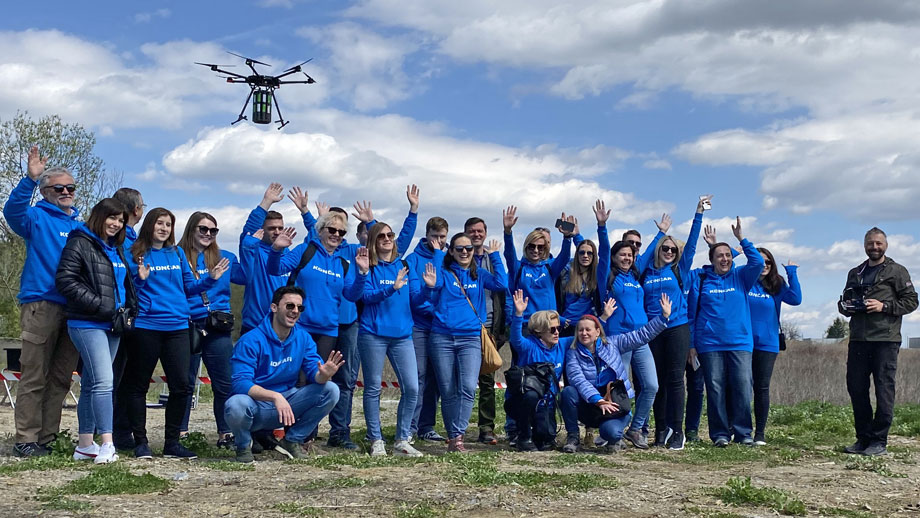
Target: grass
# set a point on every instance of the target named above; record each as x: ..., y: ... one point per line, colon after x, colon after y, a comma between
x: 337, y: 460
x: 113, y: 479
x: 849, y: 513
x: 426, y: 509
x: 706, y: 454
x: 741, y: 492
x: 199, y: 443
x: 60, y: 503
x: 872, y: 464
x: 298, y: 509
x: 48, y: 462
x: 330, y: 483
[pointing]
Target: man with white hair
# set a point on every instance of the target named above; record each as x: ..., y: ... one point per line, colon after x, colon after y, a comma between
x: 48, y: 356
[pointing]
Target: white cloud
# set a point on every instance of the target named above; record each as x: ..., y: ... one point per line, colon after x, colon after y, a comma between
x: 146, y: 17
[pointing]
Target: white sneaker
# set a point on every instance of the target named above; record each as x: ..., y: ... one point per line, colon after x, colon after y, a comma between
x: 378, y: 448
x: 106, y: 454
x: 404, y: 449
x: 86, y: 452
x: 600, y: 441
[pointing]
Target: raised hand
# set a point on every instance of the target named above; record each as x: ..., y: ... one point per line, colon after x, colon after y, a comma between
x: 412, y: 193
x: 327, y: 370
x: 709, y: 235
x: 790, y: 263
x: 363, y: 211
x: 272, y: 195
x: 430, y: 276
x: 736, y: 228
x: 36, y: 163
x: 363, y: 261
x: 321, y: 208
x: 143, y: 270
x: 520, y: 303
x: 222, y: 266
x: 665, y: 223
x: 701, y: 205
x: 509, y: 218
x: 609, y: 307
x: 665, y: 303
x: 494, y: 246
x: 568, y: 219
x: 401, y: 279
x: 601, y: 212
x: 300, y: 198
x: 284, y: 239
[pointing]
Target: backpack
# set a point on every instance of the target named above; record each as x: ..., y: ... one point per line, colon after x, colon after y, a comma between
x: 305, y: 259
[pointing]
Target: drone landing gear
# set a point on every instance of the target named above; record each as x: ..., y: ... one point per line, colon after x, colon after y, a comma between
x: 280, y: 117
x: 245, y: 104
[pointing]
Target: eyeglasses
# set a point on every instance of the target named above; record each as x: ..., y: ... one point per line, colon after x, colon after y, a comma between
x: 203, y: 230
x: 463, y: 248
x: 672, y: 249
x: 290, y: 306
x: 588, y: 253
x: 537, y: 248
x: 334, y: 231
x: 553, y: 330
x: 388, y: 235
x: 58, y: 188
x: 637, y: 244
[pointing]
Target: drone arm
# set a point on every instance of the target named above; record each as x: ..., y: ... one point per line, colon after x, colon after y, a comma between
x: 287, y: 73
x: 245, y: 105
x: 215, y: 69
x: 310, y: 82
x: 280, y: 117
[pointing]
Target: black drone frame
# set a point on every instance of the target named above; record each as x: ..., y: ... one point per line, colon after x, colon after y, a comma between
x: 263, y: 86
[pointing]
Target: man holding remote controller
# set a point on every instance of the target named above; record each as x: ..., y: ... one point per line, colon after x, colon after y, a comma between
x: 878, y: 293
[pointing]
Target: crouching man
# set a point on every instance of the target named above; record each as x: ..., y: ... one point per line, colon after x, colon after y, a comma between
x: 266, y: 364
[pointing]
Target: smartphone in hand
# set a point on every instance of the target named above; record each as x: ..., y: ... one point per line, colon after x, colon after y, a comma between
x: 566, y: 226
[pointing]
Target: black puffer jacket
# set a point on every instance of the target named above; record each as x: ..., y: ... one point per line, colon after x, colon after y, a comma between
x: 86, y: 278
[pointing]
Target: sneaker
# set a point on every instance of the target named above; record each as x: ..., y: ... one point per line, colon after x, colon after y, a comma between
x: 636, y: 438
x: 875, y: 449
x: 677, y: 441
x: 293, y: 450
x: 857, y: 448
x: 759, y: 440
x: 29, y: 449
x: 693, y: 435
x: 512, y: 439
x: 106, y: 454
x: 747, y: 441
x: 526, y: 445
x: 487, y: 437
x: 662, y: 437
x: 244, y: 456
x: 174, y: 450
x: 600, y: 442
x: 616, y: 447
x: 547, y: 446
x: 404, y: 449
x: 721, y: 442
x: 142, y: 451
x: 432, y: 436
x: 378, y: 448
x: 456, y: 445
x: 571, y: 443
x: 263, y: 440
x: 340, y: 441
x: 256, y: 447
x: 226, y: 441
x: 86, y: 452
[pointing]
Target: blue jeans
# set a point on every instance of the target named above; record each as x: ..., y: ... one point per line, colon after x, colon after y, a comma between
x: 643, y: 367
x: 309, y: 403
x: 97, y: 348
x: 426, y: 406
x: 695, y: 387
x: 611, y: 430
x: 456, y: 361
x: 401, y: 353
x: 216, y: 350
x: 345, y: 378
x: 728, y: 393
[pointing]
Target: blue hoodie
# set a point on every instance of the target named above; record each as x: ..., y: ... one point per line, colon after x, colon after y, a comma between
x: 580, y: 304
x: 423, y: 309
x: 219, y: 295
x: 388, y: 312
x: 538, y: 281
x: 721, y: 319
x: 630, y: 313
x: 120, y: 270
x: 531, y: 349
x: 130, y: 238
x: 45, y: 228
x: 162, y: 298
x: 261, y: 358
x: 452, y: 313
x: 656, y: 281
x: 765, y: 310
x: 324, y: 281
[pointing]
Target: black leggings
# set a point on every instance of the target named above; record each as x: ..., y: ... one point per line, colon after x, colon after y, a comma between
x: 535, y: 420
x: 762, y: 367
x: 172, y: 349
x: 670, y: 350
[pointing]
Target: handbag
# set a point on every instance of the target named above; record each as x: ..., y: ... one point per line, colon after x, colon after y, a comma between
x: 195, y: 334
x: 491, y: 360
x: 613, y: 392
x: 538, y: 377
x: 782, y: 341
x: 217, y: 321
x: 123, y: 321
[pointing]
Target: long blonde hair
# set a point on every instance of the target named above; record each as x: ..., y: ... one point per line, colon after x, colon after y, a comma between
x: 534, y: 234
x: 680, y: 250
x: 372, y: 244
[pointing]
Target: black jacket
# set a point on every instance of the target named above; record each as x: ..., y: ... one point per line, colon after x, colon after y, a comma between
x: 86, y: 278
x: 893, y: 288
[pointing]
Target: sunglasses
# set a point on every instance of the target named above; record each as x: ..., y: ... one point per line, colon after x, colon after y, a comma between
x: 388, y: 235
x: 553, y: 330
x: 58, y: 188
x: 290, y: 306
x: 334, y: 231
x: 537, y: 248
x: 203, y: 230
x: 588, y: 253
x: 672, y: 249
x: 768, y: 263
x: 637, y: 244
x: 464, y: 248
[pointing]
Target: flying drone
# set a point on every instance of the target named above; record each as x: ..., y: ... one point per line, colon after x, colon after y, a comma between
x: 261, y: 88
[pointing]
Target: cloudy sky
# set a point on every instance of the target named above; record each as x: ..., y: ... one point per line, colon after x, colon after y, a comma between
x: 799, y: 117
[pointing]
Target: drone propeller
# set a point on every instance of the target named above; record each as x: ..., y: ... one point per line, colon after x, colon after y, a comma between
x: 248, y: 59
x: 213, y: 65
x: 296, y: 68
